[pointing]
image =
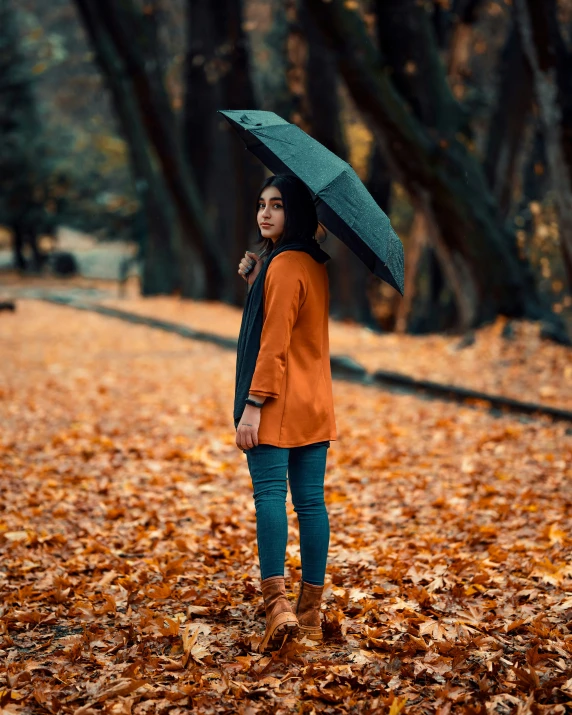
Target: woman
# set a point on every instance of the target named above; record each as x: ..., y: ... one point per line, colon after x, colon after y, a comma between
x: 284, y: 411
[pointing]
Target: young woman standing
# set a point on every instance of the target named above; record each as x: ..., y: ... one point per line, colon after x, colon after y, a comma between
x: 284, y: 411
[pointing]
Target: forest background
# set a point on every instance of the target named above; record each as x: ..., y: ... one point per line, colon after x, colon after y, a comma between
x: 456, y: 114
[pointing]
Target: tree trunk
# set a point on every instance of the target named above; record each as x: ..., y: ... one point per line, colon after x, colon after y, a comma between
x: 348, y: 275
x: 217, y: 76
x: 551, y: 65
x: 454, y: 30
x: 321, y: 85
x: 134, y: 42
x: 438, y: 164
x: 269, y: 47
x: 408, y: 47
x: 535, y: 179
x: 159, y: 249
x: 508, y: 122
x: 378, y: 183
x: 418, y: 236
x: 397, y: 21
x: 464, y: 15
x: 453, y: 24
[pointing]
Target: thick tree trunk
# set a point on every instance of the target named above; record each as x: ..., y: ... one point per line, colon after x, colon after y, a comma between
x: 508, y: 122
x: 407, y: 45
x: 321, y: 85
x: 378, y: 183
x: 441, y: 166
x: 348, y: 275
x: 453, y: 23
x: 159, y: 250
x: 217, y: 76
x: 429, y: 96
x: 418, y: 240
x: 269, y: 48
x: 535, y: 179
x: 134, y: 43
x: 551, y: 65
x: 296, y: 59
x: 464, y: 15
x: 454, y: 31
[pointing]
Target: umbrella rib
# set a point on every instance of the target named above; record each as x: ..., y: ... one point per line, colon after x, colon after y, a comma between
x: 258, y: 133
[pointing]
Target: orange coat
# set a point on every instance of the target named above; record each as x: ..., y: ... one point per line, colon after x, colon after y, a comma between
x: 293, y: 366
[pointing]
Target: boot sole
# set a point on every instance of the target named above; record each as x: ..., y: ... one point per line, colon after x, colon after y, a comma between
x: 285, y: 627
x: 313, y: 633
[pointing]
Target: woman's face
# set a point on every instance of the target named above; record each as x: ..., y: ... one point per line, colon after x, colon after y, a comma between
x: 270, y: 214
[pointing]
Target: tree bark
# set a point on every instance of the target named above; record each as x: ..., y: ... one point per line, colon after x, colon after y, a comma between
x: 453, y: 29
x: 464, y: 16
x: 269, y: 47
x: 378, y: 183
x: 429, y: 96
x: 348, y: 275
x: 322, y: 87
x: 442, y: 166
x: 134, y: 42
x: 159, y: 249
x: 217, y: 76
x: 508, y: 122
x: 551, y: 65
x: 417, y: 242
x: 408, y: 47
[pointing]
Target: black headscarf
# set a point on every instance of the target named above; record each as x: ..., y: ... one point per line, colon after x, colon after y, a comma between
x: 252, y: 320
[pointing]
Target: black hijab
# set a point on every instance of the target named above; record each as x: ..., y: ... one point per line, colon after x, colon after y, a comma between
x: 252, y: 320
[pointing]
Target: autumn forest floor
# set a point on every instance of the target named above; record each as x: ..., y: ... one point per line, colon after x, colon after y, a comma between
x: 129, y: 579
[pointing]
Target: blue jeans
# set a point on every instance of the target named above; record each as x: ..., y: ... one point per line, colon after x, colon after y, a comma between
x: 306, y: 467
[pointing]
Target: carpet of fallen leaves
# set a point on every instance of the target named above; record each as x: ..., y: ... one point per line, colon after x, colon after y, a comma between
x: 129, y: 578
x: 505, y: 358
x: 522, y: 366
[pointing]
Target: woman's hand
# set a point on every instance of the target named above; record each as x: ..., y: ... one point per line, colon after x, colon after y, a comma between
x: 247, y: 430
x: 245, y: 263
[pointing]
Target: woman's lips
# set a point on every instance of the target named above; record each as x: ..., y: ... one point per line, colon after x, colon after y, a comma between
x: 265, y: 225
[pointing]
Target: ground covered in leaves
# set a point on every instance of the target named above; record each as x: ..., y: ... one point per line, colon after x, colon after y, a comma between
x: 128, y: 567
x: 506, y: 357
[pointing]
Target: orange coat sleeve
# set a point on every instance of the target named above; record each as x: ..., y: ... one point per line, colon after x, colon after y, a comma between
x: 285, y: 289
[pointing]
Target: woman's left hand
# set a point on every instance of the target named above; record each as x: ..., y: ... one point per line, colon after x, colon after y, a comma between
x: 245, y: 264
x: 247, y: 430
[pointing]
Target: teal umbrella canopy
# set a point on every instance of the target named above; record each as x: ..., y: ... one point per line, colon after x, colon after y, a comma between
x: 344, y: 205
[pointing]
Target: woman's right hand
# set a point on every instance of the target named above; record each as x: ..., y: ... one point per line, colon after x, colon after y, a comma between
x: 246, y: 262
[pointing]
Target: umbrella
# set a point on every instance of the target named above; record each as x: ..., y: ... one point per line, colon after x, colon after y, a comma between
x: 343, y: 204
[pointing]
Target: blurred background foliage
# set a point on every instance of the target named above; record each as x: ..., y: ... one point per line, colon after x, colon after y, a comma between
x: 457, y: 115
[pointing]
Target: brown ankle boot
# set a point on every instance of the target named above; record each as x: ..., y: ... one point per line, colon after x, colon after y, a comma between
x: 281, y: 623
x: 308, y: 610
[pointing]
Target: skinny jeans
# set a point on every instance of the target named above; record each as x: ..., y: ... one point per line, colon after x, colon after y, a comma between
x: 304, y: 468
